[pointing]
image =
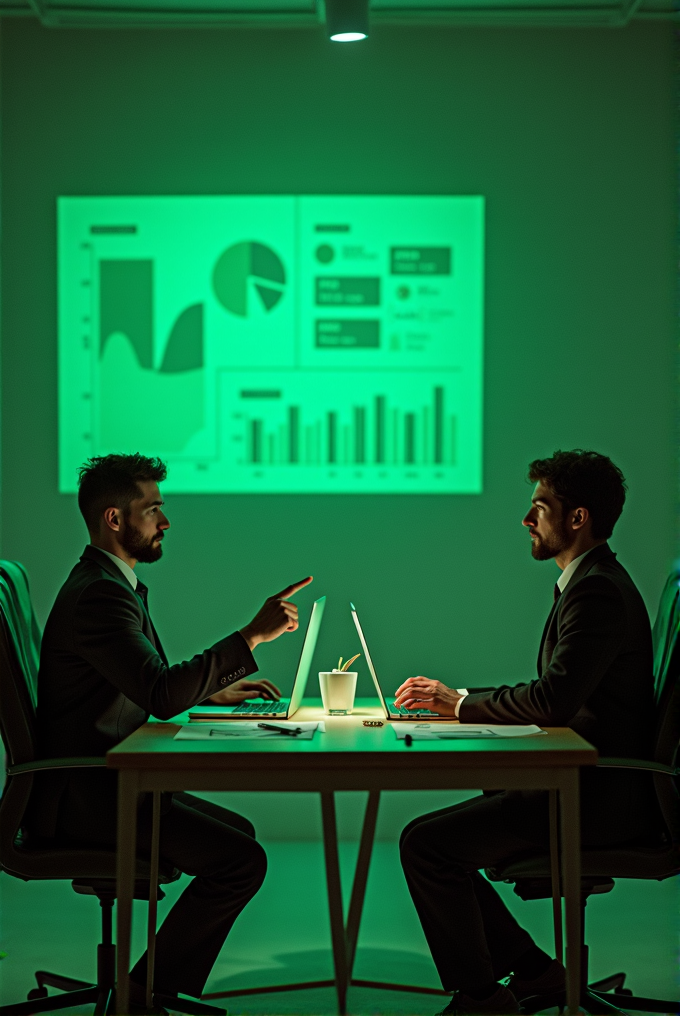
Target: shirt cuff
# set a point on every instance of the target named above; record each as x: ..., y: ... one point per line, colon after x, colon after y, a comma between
x: 463, y: 692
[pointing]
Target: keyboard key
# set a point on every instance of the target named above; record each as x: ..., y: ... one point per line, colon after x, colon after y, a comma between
x: 403, y: 711
x: 279, y: 708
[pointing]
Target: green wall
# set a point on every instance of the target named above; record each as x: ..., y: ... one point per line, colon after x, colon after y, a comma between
x: 569, y: 134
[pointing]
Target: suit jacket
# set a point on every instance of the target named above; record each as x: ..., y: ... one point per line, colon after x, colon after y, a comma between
x: 102, y: 673
x: 595, y: 676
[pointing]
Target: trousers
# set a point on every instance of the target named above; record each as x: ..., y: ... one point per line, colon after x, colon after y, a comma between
x: 219, y: 848
x: 473, y: 937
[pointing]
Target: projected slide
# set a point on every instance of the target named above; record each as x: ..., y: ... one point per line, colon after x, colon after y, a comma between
x: 275, y: 344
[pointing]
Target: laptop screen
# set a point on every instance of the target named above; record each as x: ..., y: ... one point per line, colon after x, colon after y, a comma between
x: 369, y: 661
x: 306, y: 655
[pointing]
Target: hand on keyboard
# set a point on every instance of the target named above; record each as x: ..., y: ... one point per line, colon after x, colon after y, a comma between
x: 419, y: 694
x: 244, y: 689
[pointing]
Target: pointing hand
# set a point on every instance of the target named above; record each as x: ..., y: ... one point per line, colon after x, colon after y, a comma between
x: 276, y: 615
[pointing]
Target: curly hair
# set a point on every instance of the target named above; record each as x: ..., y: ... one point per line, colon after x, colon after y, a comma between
x: 582, y: 479
x: 112, y: 481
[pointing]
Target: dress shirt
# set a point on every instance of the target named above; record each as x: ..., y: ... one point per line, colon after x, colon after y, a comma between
x: 562, y: 583
x: 563, y: 580
x: 125, y: 568
x: 462, y: 692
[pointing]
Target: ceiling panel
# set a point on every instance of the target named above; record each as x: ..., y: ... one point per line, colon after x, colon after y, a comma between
x: 249, y: 8
x: 284, y: 13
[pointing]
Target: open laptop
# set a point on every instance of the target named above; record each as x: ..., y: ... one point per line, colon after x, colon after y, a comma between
x: 391, y: 711
x: 259, y: 708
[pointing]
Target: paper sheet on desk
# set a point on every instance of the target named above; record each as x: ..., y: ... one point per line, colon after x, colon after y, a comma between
x: 244, y: 729
x: 461, y: 731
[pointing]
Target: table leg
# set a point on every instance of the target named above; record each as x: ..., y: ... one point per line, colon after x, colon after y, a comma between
x: 125, y: 882
x: 152, y: 918
x: 330, y: 843
x: 356, y: 903
x: 571, y: 881
x: 555, y: 877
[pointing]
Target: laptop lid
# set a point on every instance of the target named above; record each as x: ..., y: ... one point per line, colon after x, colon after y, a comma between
x: 369, y: 661
x: 306, y: 655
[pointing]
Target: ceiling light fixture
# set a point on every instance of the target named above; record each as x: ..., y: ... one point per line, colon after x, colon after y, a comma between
x: 347, y: 20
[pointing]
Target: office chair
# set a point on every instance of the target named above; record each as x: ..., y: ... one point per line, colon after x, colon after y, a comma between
x: 27, y: 623
x: 91, y: 871
x: 658, y: 858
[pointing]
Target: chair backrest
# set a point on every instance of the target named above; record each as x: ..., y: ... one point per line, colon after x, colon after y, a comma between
x: 25, y: 620
x: 666, y: 638
x: 18, y: 726
x: 17, y: 686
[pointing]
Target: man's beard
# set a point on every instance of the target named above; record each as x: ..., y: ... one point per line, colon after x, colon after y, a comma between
x: 543, y: 548
x: 140, y: 547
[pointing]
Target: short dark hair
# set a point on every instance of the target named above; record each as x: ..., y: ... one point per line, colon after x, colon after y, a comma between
x: 581, y: 479
x: 111, y: 481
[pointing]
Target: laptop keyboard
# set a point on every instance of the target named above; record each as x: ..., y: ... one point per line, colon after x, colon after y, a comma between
x: 403, y: 711
x: 279, y: 708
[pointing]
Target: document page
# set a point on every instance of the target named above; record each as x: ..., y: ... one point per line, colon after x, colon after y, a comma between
x: 245, y: 729
x: 460, y: 731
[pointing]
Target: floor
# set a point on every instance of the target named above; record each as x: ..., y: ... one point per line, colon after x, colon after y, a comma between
x: 284, y: 936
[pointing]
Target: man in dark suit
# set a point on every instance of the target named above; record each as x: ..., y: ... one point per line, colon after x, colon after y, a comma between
x: 595, y: 676
x: 102, y: 673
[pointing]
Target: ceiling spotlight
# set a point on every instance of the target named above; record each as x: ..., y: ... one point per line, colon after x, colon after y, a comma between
x: 347, y: 20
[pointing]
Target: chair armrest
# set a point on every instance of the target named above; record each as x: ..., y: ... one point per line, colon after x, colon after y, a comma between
x: 641, y: 765
x: 55, y: 763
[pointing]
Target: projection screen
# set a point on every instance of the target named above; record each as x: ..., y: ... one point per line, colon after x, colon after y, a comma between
x: 275, y: 344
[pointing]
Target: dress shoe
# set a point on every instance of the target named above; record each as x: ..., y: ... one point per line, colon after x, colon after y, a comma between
x: 552, y: 983
x: 502, y: 1001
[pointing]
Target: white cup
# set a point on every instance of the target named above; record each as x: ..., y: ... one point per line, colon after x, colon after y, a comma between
x: 337, y: 691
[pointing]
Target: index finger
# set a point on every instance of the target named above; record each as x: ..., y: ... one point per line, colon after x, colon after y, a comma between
x: 291, y: 590
x: 407, y: 684
x: 270, y: 686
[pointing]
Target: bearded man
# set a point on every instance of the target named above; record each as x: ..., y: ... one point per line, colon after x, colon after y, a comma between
x: 595, y: 676
x: 102, y: 672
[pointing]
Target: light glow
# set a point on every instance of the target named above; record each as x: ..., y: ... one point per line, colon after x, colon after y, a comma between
x: 348, y: 37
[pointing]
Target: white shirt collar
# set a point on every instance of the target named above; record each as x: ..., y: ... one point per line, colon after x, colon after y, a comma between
x: 563, y: 580
x: 127, y: 570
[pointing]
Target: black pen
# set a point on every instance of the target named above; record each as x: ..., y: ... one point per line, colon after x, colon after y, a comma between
x: 280, y: 730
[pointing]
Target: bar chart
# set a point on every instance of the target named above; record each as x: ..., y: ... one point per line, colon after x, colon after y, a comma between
x: 377, y: 434
x: 368, y: 433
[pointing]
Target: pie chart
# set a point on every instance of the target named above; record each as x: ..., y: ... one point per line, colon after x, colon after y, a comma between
x: 248, y: 278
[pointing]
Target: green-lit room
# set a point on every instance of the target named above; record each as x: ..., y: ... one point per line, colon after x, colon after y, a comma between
x: 339, y: 387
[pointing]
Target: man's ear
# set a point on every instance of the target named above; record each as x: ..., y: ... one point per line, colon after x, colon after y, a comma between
x: 112, y: 518
x: 579, y: 518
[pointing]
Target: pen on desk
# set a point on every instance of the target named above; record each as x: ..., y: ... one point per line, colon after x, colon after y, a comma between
x: 280, y: 730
